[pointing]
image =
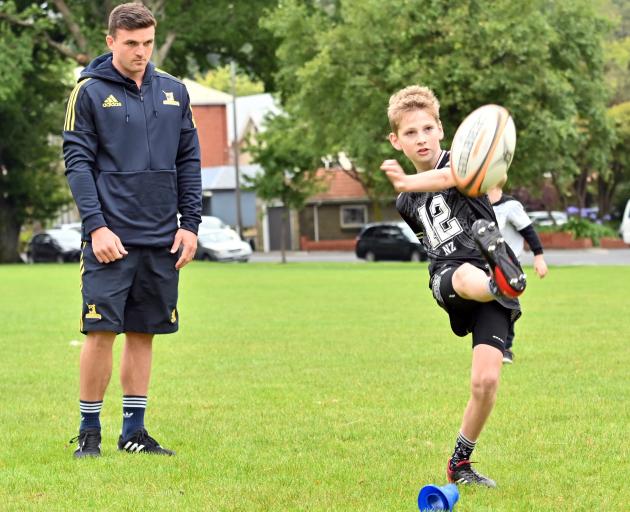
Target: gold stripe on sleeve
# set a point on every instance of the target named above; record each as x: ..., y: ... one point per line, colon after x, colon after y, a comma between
x: 70, y: 110
x: 192, y: 116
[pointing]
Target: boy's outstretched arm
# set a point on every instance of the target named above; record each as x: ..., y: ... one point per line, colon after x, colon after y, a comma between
x: 433, y: 180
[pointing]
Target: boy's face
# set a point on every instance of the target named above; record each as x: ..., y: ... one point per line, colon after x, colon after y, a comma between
x: 418, y: 137
x: 131, y: 50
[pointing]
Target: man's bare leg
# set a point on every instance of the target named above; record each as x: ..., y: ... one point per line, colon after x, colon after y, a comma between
x: 95, y: 365
x: 135, y: 364
x: 135, y: 374
x: 95, y: 371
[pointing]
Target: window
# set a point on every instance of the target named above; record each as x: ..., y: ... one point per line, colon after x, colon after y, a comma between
x: 392, y: 233
x: 353, y: 216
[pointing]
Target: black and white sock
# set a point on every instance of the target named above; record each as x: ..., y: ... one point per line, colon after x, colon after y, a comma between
x: 90, y: 412
x: 463, y: 450
x: 133, y: 414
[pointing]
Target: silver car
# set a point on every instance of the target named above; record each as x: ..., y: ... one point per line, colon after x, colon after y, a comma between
x: 222, y: 245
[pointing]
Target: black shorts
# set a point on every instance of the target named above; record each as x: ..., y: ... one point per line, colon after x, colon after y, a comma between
x: 135, y: 294
x: 489, y: 322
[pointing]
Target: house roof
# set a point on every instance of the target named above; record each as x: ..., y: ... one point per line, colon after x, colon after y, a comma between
x: 223, y: 177
x: 252, y: 108
x: 340, y: 186
x: 202, y: 95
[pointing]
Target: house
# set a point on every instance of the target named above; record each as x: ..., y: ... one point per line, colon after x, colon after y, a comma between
x: 219, y: 194
x: 333, y: 218
x: 251, y: 112
x: 212, y: 110
x: 209, y: 108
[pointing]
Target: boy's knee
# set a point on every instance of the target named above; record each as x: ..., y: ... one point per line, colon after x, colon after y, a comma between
x: 485, y: 385
x: 459, y: 278
x: 463, y: 278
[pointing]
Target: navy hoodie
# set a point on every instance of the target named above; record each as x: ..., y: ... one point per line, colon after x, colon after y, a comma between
x: 132, y: 155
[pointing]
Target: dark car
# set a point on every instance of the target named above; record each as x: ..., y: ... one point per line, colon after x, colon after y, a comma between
x: 58, y: 245
x: 389, y: 241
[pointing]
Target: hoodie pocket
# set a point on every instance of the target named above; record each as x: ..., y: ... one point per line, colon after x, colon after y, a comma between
x: 141, y: 201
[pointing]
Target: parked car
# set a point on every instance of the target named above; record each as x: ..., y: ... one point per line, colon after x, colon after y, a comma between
x: 543, y: 218
x: 209, y: 222
x: 70, y: 225
x: 222, y: 245
x: 60, y: 245
x: 389, y: 241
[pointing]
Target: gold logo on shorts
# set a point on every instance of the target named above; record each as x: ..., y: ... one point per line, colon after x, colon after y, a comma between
x: 174, y: 316
x: 92, y: 312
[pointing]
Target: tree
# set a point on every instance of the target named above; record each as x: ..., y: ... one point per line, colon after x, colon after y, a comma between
x: 541, y: 59
x: 617, y: 49
x: 289, y: 168
x: 619, y: 170
x: 31, y: 108
x: 190, y: 31
x: 220, y: 79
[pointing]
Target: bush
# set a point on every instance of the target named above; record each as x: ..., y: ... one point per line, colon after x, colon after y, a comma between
x: 549, y: 229
x: 584, y: 228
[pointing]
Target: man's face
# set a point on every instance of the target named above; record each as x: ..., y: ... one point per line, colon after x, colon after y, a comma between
x: 418, y: 137
x: 132, y: 50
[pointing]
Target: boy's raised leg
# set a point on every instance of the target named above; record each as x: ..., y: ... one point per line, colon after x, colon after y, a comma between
x: 506, y: 270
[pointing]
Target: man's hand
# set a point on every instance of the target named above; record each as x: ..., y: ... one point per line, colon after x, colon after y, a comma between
x: 540, y: 266
x: 188, y: 240
x: 106, y: 246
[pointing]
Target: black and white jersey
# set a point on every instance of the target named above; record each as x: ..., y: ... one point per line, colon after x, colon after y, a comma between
x: 442, y: 222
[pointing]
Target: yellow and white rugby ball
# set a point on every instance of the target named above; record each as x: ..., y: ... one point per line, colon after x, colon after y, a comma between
x: 482, y: 149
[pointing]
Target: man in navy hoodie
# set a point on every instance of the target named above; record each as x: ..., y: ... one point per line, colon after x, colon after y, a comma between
x: 132, y: 163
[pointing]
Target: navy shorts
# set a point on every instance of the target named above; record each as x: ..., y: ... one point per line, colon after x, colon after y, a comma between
x: 135, y: 294
x: 489, y: 322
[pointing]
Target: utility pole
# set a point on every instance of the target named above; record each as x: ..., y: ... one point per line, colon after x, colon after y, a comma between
x: 237, y: 171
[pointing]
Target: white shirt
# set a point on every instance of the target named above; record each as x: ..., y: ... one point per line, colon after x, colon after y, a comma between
x: 512, y: 218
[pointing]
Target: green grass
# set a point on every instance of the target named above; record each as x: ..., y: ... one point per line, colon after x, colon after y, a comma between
x: 321, y: 387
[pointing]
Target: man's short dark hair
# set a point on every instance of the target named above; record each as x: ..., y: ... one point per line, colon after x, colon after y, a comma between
x: 130, y: 16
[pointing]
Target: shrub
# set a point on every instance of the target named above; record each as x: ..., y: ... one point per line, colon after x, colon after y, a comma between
x: 584, y: 228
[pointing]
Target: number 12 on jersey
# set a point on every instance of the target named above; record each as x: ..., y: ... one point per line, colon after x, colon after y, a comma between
x: 438, y: 224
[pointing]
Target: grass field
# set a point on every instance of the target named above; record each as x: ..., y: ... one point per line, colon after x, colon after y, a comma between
x: 321, y: 387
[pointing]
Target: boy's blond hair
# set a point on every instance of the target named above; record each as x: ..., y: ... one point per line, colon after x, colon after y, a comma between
x: 414, y: 97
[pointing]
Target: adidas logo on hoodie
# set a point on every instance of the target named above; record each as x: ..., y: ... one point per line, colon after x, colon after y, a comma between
x: 111, y: 101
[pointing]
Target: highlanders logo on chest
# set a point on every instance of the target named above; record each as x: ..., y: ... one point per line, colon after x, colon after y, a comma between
x: 170, y: 99
x: 439, y: 224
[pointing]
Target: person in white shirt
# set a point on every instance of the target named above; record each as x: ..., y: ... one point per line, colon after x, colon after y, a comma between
x: 516, y: 228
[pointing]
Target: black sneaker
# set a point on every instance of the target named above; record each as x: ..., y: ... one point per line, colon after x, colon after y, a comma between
x: 142, y: 442
x: 508, y: 356
x: 89, y: 441
x: 464, y: 474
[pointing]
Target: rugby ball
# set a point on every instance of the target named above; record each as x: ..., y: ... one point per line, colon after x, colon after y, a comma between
x: 482, y: 149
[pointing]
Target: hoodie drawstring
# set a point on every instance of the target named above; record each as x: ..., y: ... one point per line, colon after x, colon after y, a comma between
x: 153, y: 83
x: 126, y: 108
